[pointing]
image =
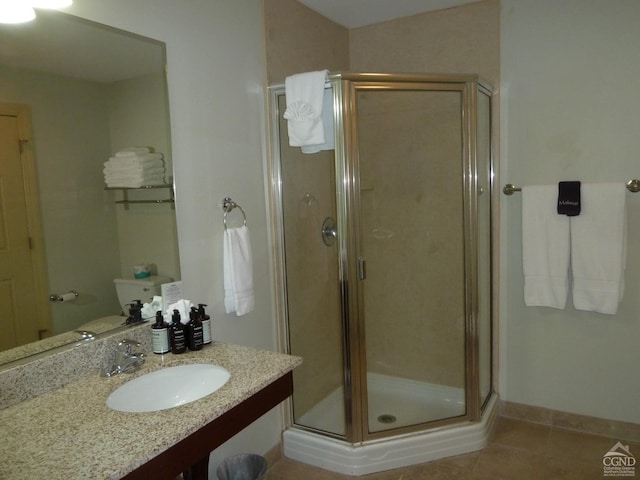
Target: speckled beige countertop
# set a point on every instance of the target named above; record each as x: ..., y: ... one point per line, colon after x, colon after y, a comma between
x: 70, y: 433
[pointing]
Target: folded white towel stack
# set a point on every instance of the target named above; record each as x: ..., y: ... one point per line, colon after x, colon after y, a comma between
x: 545, y: 248
x: 305, y: 92
x: 238, y: 271
x: 134, y: 167
x: 598, y: 248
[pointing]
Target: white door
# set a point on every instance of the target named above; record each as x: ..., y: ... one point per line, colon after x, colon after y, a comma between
x: 20, y: 302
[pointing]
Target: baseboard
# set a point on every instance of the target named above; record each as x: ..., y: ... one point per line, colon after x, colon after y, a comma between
x: 571, y: 421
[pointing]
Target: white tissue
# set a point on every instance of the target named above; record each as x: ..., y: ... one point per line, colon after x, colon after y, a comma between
x: 183, y: 307
x: 68, y: 297
x: 149, y: 309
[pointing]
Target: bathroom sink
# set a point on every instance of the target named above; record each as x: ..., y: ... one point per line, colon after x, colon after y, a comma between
x: 168, y: 387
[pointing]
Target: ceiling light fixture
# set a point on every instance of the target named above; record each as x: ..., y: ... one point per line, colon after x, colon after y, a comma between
x: 14, y: 11
x: 21, y: 11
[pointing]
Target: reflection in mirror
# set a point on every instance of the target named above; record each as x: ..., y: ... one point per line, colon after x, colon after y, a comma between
x: 72, y: 94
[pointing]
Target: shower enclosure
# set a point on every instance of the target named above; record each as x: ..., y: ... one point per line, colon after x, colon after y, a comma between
x: 383, y: 245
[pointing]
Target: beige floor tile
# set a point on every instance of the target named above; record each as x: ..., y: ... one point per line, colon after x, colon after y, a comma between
x: 438, y: 471
x: 520, y: 434
x: 466, y: 461
x: 502, y: 463
x: 566, y: 469
x: 286, y: 469
x: 396, y: 474
x: 581, y: 447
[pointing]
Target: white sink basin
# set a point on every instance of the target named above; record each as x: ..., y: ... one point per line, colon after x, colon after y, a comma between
x: 168, y: 388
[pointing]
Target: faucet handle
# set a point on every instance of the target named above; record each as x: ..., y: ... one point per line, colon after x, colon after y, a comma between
x: 125, y: 360
x: 124, y: 345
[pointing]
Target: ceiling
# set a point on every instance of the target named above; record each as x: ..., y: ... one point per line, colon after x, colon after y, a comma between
x: 358, y: 13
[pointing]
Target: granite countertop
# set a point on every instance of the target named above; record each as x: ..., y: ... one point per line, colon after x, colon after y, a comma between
x: 69, y: 339
x: 70, y: 433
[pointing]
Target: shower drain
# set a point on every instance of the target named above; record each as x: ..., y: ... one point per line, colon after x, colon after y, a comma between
x: 387, y: 418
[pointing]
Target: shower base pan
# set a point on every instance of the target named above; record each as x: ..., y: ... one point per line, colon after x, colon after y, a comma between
x: 388, y: 453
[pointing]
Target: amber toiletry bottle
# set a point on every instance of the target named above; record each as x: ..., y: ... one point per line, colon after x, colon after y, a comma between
x: 176, y: 334
x: 194, y: 331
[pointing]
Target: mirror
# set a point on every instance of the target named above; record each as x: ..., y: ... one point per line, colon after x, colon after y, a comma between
x: 74, y: 92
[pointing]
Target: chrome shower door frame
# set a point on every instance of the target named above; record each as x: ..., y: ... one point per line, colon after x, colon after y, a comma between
x: 348, y: 222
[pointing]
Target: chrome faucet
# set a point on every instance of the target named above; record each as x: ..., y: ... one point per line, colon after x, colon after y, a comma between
x: 125, y: 360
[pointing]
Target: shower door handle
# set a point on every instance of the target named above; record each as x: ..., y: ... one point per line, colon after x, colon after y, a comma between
x: 362, y: 268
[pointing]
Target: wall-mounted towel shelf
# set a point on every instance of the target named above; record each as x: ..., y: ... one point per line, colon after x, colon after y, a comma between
x: 633, y: 185
x: 125, y: 195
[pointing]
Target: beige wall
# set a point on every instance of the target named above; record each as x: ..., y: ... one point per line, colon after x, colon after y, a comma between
x: 300, y: 40
x: 463, y: 39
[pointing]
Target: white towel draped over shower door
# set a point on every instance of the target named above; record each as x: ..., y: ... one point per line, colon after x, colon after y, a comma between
x: 304, y: 97
x: 327, y: 123
x: 598, y: 248
x: 238, y: 271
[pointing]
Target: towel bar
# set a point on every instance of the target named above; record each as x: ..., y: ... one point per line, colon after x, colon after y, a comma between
x: 633, y: 185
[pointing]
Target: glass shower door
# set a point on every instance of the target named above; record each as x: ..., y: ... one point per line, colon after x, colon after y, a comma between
x: 411, y: 167
x: 313, y: 303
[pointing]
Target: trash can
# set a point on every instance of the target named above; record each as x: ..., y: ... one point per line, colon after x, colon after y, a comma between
x: 246, y: 466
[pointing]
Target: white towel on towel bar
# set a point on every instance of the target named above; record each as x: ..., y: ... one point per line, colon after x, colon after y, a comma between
x: 327, y: 125
x: 304, y: 95
x: 238, y: 271
x: 598, y: 248
x: 545, y: 248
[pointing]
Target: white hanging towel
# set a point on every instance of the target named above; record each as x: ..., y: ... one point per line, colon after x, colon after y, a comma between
x: 327, y: 125
x: 598, y: 248
x: 238, y: 271
x: 304, y: 92
x: 545, y: 248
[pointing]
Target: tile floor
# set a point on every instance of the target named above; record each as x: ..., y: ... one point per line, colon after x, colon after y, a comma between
x: 517, y: 450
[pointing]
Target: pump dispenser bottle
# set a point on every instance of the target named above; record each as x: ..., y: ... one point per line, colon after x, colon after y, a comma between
x: 135, y: 312
x: 160, y: 335
x: 176, y: 334
x: 194, y: 331
x: 206, y: 324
